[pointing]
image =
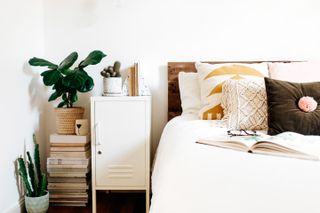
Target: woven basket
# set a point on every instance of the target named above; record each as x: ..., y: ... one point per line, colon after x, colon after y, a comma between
x: 66, y: 118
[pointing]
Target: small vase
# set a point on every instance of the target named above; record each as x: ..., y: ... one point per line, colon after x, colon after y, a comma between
x: 112, y: 86
x: 37, y: 204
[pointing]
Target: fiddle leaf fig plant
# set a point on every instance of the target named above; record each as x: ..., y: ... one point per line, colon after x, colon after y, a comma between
x: 67, y: 81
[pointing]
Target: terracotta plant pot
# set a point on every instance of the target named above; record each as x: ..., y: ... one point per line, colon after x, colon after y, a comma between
x: 37, y: 204
x: 66, y: 119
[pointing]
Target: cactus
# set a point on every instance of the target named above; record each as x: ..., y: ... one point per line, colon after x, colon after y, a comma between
x: 23, y: 173
x: 112, y: 71
x: 37, y: 162
x: 43, y: 185
x: 32, y: 174
x: 35, y: 187
x: 116, y: 68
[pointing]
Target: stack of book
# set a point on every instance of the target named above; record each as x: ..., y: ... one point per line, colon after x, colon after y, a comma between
x: 68, y: 170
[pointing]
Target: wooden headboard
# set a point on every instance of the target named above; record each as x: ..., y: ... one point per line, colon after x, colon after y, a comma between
x: 174, y: 103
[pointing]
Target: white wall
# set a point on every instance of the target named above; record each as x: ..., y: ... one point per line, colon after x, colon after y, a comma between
x: 21, y: 103
x: 155, y: 32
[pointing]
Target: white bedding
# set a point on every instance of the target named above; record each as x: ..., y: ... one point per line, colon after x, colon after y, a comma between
x: 190, y: 177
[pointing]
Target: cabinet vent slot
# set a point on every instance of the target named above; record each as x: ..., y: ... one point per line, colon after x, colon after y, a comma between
x: 120, y: 171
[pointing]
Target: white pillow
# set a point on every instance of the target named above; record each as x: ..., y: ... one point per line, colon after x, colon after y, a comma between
x: 189, y: 92
x: 213, y: 76
x: 245, y: 104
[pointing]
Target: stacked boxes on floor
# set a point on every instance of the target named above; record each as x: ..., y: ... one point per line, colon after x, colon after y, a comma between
x: 69, y: 170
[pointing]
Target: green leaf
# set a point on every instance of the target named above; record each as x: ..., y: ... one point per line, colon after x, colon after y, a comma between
x: 61, y: 104
x: 45, y: 72
x: 51, y: 77
x: 68, y: 62
x: 88, y: 85
x: 42, y: 63
x: 67, y: 71
x: 55, y: 95
x: 76, y: 79
x: 93, y: 58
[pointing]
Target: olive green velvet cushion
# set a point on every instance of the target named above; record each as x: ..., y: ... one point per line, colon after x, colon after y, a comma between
x: 283, y: 111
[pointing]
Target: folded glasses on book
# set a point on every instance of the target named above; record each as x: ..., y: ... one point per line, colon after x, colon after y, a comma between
x: 242, y: 132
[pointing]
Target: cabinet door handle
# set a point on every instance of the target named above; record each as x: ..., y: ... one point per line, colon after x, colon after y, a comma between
x: 97, y: 133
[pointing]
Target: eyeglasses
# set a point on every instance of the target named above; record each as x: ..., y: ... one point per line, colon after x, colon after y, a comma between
x: 242, y: 132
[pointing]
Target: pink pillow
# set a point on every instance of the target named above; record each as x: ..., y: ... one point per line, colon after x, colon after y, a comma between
x: 300, y: 72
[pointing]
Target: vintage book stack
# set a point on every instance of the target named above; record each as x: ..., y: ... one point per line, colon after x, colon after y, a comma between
x: 69, y: 170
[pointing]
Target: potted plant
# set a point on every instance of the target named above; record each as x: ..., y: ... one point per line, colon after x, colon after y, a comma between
x: 66, y: 82
x: 112, y: 81
x: 35, y: 182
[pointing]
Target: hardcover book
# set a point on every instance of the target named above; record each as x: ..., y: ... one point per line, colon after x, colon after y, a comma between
x: 287, y: 144
x: 70, y: 148
x: 64, y: 174
x: 67, y: 180
x: 67, y: 186
x: 67, y: 161
x: 82, y: 155
x: 68, y: 170
x: 80, y: 139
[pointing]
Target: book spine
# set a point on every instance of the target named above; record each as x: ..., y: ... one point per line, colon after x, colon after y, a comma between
x: 67, y: 161
x: 133, y: 81
x: 54, y: 138
x: 69, y: 149
x: 136, y: 66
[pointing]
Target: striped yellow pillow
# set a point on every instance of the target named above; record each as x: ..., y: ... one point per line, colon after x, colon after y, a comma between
x: 211, y: 79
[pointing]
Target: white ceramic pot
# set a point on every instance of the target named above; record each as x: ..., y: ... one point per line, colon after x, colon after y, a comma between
x: 112, y: 86
x: 37, y: 204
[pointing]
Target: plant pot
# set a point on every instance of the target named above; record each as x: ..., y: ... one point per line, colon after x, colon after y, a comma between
x: 66, y: 119
x: 112, y: 86
x: 37, y: 204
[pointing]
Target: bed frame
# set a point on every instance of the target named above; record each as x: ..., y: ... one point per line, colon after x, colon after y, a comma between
x: 174, y: 103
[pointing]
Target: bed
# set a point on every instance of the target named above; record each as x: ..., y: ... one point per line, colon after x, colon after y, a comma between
x: 189, y: 177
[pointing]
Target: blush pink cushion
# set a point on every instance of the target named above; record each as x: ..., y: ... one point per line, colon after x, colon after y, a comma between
x: 300, y: 72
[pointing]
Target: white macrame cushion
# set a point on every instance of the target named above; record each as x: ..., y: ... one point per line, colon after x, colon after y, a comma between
x: 245, y: 104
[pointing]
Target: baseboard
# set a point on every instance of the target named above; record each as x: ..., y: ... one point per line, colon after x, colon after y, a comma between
x: 18, y: 207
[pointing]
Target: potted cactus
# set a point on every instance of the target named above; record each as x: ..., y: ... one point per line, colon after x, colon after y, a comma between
x: 66, y: 82
x: 35, y: 182
x: 112, y: 81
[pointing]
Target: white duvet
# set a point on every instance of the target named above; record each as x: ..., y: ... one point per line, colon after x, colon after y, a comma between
x: 191, y: 178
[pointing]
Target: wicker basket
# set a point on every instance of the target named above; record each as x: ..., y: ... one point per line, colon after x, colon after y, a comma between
x: 66, y: 118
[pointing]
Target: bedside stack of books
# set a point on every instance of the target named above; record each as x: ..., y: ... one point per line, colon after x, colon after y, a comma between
x: 69, y: 170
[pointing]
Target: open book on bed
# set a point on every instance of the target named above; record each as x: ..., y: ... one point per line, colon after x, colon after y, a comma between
x: 288, y: 144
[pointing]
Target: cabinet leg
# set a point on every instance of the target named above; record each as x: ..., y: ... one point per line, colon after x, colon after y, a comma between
x: 94, y: 201
x: 147, y: 200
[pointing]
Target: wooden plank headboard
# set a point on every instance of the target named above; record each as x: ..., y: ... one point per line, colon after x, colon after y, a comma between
x: 174, y: 103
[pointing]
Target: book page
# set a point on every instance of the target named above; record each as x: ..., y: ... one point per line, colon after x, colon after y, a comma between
x: 309, y: 145
x: 242, y: 143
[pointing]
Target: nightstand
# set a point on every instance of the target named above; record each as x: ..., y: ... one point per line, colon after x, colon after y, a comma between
x: 120, y: 144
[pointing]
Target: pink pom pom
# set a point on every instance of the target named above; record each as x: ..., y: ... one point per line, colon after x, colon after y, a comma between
x: 307, y: 104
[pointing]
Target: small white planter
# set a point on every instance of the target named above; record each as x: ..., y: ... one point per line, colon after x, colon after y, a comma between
x: 37, y: 204
x: 112, y: 86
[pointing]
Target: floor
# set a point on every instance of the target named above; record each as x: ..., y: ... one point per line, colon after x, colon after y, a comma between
x: 110, y: 203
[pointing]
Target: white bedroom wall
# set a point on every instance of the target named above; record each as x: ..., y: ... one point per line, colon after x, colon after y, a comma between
x: 155, y: 32
x: 21, y: 103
